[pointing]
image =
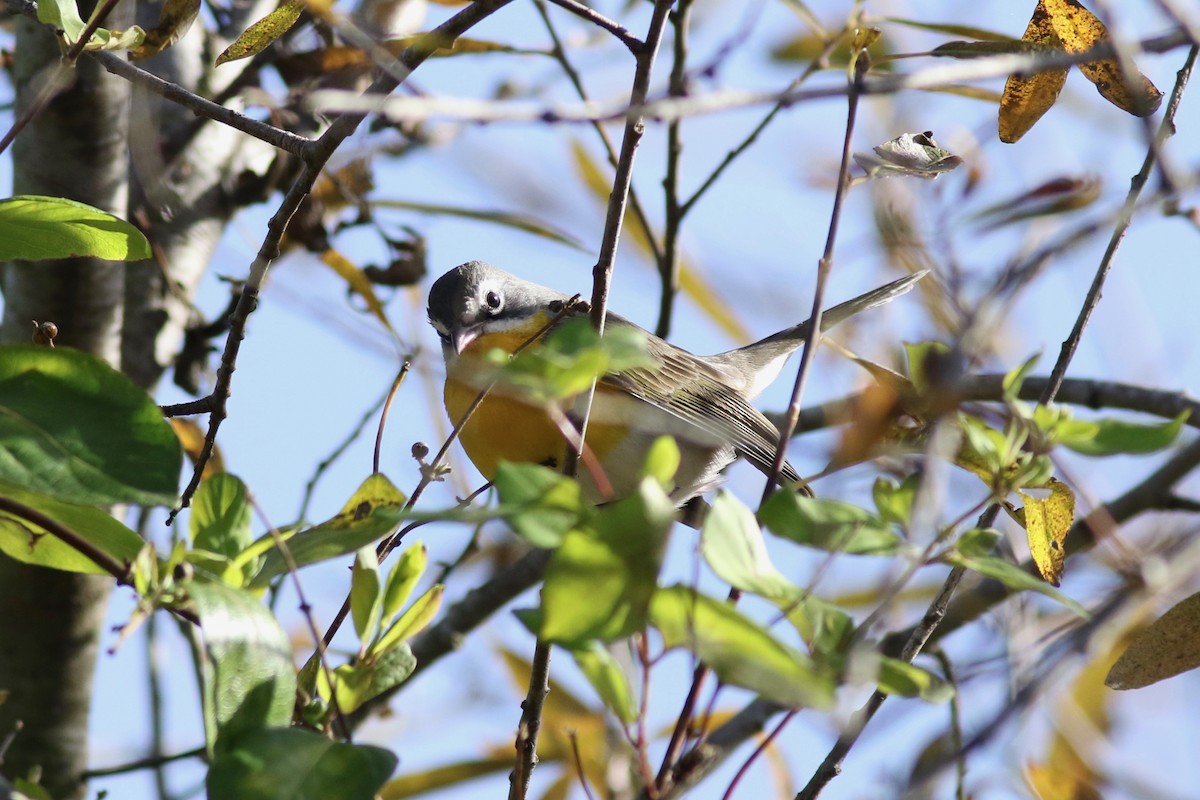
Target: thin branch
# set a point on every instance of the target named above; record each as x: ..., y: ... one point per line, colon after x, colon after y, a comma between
x: 149, y: 762
x: 387, y: 404
x: 631, y: 42
x: 1165, y: 130
x: 809, y: 351
x: 665, y: 108
x: 668, y: 264
x: 531, y: 722
x: 315, y: 154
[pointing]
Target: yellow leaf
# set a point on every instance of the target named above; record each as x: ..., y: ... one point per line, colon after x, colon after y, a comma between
x: 1079, y: 30
x: 419, y: 783
x: 1169, y: 646
x: 1027, y: 97
x: 1066, y: 25
x: 191, y: 438
x: 358, y: 282
x: 258, y: 36
x: 1047, y: 522
x: 173, y: 22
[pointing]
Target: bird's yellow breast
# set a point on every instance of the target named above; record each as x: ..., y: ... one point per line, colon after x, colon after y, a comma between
x: 507, y: 426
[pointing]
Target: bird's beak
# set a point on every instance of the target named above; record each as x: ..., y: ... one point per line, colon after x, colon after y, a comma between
x: 461, y: 338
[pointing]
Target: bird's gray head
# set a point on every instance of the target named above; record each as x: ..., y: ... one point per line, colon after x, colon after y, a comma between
x: 476, y: 298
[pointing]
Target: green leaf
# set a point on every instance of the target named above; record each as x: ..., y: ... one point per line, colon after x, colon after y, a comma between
x: 29, y: 543
x: 572, y: 356
x: 923, y: 358
x: 1015, y: 378
x: 363, y: 680
x: 662, y: 461
x: 62, y: 15
x: 74, y: 428
x: 34, y: 228
x: 738, y: 650
x: 608, y: 679
x: 829, y: 525
x: 261, y: 34
x: 599, y: 582
x: 539, y: 503
x: 366, y: 602
x: 903, y: 679
x: 894, y: 501
x: 1013, y: 577
x: 295, y: 764
x: 369, y: 515
x: 1106, y: 437
x: 403, y: 578
x: 220, y: 519
x: 412, y: 621
x: 249, y: 680
x: 824, y: 627
x: 953, y: 30
x: 733, y: 546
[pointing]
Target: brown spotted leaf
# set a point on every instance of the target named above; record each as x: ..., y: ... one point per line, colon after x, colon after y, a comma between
x: 261, y: 34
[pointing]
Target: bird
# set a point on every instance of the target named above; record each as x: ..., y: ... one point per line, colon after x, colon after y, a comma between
x: 704, y: 402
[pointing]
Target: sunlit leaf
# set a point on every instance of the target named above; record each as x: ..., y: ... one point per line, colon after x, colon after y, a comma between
x: 829, y: 525
x: 608, y: 679
x: 1047, y: 521
x: 738, y: 650
x: 25, y: 541
x: 733, y: 546
x: 599, y: 582
x: 220, y: 518
x: 359, y: 682
x: 369, y: 515
x: 1105, y: 437
x: 539, y: 503
x: 413, y: 620
x: 418, y: 784
x: 358, y: 282
x: 261, y: 34
x: 903, y: 679
x: 968, y: 31
x: 366, y: 600
x: 403, y: 578
x: 249, y: 681
x: 74, y: 428
x: 1012, y: 576
x: 34, y: 228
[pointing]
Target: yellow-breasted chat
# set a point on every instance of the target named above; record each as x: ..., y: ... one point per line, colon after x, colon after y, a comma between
x: 701, y: 401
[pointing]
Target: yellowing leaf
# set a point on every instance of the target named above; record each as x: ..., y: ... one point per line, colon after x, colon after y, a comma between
x: 1169, y: 646
x: 1066, y: 25
x: 261, y: 34
x: 191, y: 438
x: 1027, y: 97
x: 1047, y: 522
x: 358, y: 282
x: 1079, y: 30
x: 174, y: 21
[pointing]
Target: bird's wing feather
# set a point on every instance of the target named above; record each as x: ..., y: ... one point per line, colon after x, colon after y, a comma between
x: 695, y: 391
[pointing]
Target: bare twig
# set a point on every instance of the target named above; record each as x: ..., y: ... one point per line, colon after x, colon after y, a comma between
x: 668, y: 264
x: 1165, y: 129
x: 531, y: 722
x: 631, y: 42
x: 315, y: 154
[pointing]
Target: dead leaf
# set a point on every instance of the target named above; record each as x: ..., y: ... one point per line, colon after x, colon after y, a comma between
x: 174, y: 21
x: 261, y: 34
x: 1168, y: 647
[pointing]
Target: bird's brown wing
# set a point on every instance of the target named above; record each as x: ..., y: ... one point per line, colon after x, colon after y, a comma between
x: 695, y: 391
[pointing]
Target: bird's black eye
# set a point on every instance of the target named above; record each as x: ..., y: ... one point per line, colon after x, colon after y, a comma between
x: 493, y: 300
